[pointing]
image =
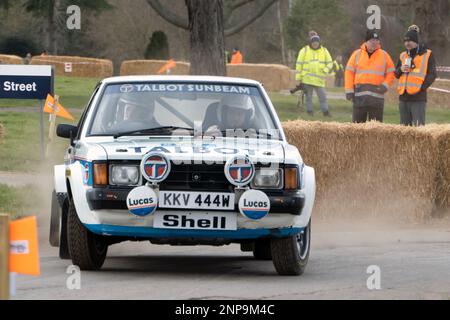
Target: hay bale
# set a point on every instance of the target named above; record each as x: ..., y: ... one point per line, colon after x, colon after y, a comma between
x: 442, y: 136
x: 274, y: 77
x: 81, y: 67
x: 9, y: 59
x: 151, y: 67
x: 372, y: 169
x: 292, y: 82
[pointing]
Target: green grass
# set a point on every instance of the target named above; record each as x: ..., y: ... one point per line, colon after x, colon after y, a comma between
x: 20, y: 146
x: 74, y: 92
x: 286, y: 106
x: 17, y: 201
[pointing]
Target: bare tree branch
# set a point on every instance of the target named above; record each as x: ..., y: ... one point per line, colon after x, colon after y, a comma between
x: 230, y: 6
x: 250, y: 19
x: 239, y: 3
x: 168, y: 15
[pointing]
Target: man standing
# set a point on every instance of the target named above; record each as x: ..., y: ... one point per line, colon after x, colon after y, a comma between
x: 237, y: 58
x: 313, y: 64
x: 416, y: 71
x: 369, y: 73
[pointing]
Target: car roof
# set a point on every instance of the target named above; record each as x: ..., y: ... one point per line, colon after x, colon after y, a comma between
x: 164, y: 78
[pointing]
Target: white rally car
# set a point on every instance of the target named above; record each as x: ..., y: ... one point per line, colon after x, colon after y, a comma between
x: 182, y: 161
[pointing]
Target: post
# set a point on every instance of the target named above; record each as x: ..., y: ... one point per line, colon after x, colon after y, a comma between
x: 4, y: 257
x: 41, y: 121
x: 51, y: 130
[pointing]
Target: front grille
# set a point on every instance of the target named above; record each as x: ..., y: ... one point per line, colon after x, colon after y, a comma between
x: 197, y: 177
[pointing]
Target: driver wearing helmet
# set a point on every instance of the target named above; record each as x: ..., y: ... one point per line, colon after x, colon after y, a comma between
x: 234, y: 113
x: 137, y: 112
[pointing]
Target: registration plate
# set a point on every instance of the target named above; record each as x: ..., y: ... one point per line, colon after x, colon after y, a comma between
x: 195, y: 220
x: 196, y: 200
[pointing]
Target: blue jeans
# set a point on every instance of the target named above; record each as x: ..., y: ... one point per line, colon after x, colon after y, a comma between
x: 321, y: 93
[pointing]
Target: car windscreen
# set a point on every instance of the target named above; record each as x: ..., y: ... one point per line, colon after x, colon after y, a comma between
x: 136, y: 108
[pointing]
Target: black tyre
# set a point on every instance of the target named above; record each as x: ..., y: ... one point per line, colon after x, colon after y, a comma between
x: 63, y: 242
x: 262, y: 250
x: 87, y: 250
x: 55, y: 221
x: 58, y: 226
x: 290, y: 255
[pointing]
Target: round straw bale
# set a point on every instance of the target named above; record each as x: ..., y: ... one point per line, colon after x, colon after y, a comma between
x: 81, y: 67
x: 10, y: 59
x: 151, y: 67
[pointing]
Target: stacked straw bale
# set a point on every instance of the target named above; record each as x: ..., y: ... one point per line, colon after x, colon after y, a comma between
x: 9, y: 59
x: 375, y: 169
x: 81, y: 67
x: 274, y: 77
x: 151, y: 67
x: 442, y: 136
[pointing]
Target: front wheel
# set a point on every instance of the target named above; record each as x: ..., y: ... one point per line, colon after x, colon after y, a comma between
x: 55, y: 221
x: 87, y: 250
x: 290, y: 255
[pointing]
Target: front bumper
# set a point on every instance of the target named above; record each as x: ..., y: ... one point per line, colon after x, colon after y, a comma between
x: 115, y: 199
x: 212, y: 235
x: 108, y: 206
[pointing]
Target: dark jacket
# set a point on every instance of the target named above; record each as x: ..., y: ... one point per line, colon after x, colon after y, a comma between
x: 429, y: 79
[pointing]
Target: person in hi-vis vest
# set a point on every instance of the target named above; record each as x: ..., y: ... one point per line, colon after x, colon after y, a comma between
x: 416, y: 71
x: 368, y: 75
x: 314, y: 63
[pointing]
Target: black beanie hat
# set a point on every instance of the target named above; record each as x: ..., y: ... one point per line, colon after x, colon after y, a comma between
x: 412, y: 35
x: 372, y: 34
x: 315, y: 38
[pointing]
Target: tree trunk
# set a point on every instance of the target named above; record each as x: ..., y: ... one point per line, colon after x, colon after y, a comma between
x: 52, y: 44
x: 432, y: 18
x: 207, y: 37
x: 282, y: 41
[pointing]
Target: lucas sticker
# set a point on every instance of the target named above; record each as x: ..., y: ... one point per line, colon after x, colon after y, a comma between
x: 254, y: 204
x: 142, y: 201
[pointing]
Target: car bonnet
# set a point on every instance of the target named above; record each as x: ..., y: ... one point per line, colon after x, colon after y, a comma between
x: 258, y: 150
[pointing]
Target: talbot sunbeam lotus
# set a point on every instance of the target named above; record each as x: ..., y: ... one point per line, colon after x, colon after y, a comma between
x: 182, y: 161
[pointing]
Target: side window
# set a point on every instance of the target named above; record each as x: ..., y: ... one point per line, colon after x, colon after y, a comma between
x: 83, y: 116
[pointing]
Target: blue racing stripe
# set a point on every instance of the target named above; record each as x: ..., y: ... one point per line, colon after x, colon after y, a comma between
x: 149, y: 232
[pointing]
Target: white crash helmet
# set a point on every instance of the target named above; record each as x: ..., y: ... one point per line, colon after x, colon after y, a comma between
x: 136, y: 100
x: 236, y: 101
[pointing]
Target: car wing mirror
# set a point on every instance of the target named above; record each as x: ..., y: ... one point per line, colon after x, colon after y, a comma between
x: 66, y: 131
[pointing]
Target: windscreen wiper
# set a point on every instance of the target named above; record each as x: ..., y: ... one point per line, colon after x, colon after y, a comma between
x: 238, y: 133
x: 151, y: 131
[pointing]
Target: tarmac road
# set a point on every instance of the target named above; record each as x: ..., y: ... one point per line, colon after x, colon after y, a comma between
x: 414, y: 262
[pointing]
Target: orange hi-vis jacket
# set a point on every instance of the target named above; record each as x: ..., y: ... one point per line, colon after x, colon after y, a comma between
x: 412, y: 82
x: 364, y: 75
x: 237, y: 58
